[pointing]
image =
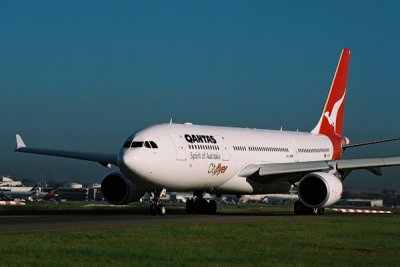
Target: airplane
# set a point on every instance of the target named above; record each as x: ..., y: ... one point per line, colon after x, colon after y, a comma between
x: 47, y: 196
x: 269, y: 198
x: 230, y: 160
x: 24, y: 195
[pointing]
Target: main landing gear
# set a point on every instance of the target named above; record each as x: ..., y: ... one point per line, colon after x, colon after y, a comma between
x: 301, y: 209
x: 199, y: 205
x: 156, y: 208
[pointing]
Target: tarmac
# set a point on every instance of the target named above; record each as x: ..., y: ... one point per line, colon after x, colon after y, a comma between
x: 13, y: 224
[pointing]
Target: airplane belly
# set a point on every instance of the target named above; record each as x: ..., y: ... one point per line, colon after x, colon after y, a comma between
x: 241, y: 185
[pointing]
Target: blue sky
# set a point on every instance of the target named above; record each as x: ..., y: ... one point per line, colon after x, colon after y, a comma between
x: 83, y: 75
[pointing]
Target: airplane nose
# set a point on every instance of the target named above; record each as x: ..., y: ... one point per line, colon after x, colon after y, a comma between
x: 132, y: 163
x: 126, y: 159
x: 134, y: 166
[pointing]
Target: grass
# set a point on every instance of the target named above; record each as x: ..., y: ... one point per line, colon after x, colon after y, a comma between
x: 333, y: 240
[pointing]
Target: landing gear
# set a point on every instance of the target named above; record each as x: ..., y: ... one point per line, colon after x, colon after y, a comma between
x: 156, y: 208
x: 301, y: 209
x: 199, y: 205
x: 321, y: 211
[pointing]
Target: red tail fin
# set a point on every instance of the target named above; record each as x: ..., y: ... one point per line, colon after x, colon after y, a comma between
x: 331, y: 121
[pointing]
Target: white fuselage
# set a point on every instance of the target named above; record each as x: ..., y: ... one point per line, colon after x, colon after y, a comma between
x: 194, y: 157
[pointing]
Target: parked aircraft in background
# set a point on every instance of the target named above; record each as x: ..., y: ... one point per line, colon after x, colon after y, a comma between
x: 47, y: 196
x: 274, y: 199
x: 228, y: 160
x: 22, y: 195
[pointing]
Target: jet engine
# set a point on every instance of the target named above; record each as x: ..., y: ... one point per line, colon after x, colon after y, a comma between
x: 119, y: 190
x: 319, y: 189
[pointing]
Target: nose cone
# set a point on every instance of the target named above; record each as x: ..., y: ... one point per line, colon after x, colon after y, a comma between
x: 133, y: 165
x: 126, y: 160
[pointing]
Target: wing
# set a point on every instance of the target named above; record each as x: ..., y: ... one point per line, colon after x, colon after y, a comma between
x: 104, y: 159
x: 293, y: 172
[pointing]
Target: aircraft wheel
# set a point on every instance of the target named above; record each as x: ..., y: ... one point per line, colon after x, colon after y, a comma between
x: 153, y: 209
x: 190, y: 207
x: 212, y: 207
x: 298, y: 208
x: 321, y: 211
x: 201, y: 206
x: 161, y: 210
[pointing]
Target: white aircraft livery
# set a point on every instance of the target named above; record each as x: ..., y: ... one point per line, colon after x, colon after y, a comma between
x: 227, y: 160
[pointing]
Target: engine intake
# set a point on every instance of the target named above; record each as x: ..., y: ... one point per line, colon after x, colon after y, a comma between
x: 119, y: 190
x: 320, y: 189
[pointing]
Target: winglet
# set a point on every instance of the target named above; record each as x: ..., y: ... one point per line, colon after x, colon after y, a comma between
x: 20, y: 142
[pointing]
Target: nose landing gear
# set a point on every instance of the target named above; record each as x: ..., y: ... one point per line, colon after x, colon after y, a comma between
x: 156, y: 208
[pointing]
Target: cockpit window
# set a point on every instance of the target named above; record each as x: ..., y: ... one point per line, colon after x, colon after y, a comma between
x: 137, y: 144
x: 147, y: 144
x: 153, y: 145
x: 127, y: 144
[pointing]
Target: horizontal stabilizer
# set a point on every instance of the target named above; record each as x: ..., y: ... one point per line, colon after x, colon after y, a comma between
x: 370, y: 143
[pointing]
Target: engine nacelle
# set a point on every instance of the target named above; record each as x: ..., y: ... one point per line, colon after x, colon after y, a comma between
x: 320, y: 189
x: 119, y: 190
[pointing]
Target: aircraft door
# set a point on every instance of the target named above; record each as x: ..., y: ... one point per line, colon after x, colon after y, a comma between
x: 179, y: 146
x: 294, y: 152
x: 223, y: 148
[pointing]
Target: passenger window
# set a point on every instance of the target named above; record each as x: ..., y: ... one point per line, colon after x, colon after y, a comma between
x: 153, y: 145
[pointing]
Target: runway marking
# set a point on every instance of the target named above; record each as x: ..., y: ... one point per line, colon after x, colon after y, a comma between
x: 362, y: 211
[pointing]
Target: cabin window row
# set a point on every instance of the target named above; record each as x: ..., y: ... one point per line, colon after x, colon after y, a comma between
x: 313, y: 150
x: 239, y: 148
x: 209, y: 147
x: 268, y: 149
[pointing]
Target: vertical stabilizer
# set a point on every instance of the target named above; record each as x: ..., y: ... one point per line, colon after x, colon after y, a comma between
x: 331, y: 121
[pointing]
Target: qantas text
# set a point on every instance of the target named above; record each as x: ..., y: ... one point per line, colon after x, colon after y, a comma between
x: 195, y: 138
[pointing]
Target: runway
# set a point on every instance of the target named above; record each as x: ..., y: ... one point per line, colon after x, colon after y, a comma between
x: 10, y: 224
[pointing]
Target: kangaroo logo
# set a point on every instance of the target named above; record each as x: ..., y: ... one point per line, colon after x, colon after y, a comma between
x: 333, y: 115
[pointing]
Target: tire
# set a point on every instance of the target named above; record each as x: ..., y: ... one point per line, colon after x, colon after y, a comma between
x: 212, y: 207
x: 190, y: 209
x: 299, y: 208
x: 161, y: 210
x: 321, y: 211
x: 201, y: 206
x: 153, y: 210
